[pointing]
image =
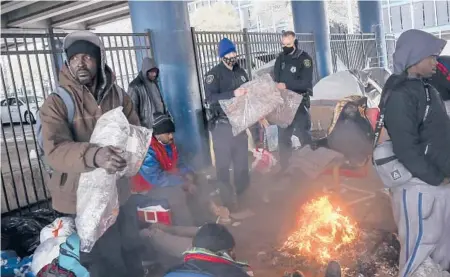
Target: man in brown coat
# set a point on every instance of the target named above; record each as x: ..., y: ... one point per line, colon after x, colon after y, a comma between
x: 91, y: 85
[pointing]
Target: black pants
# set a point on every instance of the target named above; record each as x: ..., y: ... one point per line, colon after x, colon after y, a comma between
x: 230, y: 150
x: 300, y: 127
x: 118, y: 252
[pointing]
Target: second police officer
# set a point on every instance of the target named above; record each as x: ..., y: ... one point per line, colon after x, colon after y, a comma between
x: 223, y: 82
x: 294, y: 71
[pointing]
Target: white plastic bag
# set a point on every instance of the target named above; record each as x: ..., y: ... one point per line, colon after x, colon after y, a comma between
x: 97, y: 197
x: 60, y: 227
x: 262, y: 98
x: 284, y: 114
x: 46, y: 253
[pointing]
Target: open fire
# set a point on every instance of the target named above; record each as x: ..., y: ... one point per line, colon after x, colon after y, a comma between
x: 322, y: 231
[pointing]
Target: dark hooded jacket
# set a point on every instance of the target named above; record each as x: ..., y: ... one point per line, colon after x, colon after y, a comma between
x: 441, y: 79
x: 421, y: 146
x: 146, y: 95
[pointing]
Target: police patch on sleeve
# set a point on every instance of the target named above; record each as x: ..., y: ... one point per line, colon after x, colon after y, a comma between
x: 209, y: 79
x: 307, y: 63
x: 243, y: 79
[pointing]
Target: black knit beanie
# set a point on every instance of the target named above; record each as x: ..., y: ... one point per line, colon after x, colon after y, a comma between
x: 162, y: 124
x: 214, y: 237
x: 83, y: 47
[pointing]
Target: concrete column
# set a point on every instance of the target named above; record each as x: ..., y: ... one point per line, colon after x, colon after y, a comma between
x: 171, y: 41
x: 311, y: 17
x: 371, y: 21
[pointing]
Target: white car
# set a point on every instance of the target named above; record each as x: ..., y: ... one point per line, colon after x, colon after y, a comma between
x: 19, y: 109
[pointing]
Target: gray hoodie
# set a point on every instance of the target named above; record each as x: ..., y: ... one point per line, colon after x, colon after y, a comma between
x: 146, y: 96
x: 420, y: 145
x: 414, y: 46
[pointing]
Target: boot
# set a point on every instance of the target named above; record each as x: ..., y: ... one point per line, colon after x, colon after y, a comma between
x: 333, y: 269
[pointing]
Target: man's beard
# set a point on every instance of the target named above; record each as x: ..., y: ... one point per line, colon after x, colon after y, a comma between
x: 85, y: 77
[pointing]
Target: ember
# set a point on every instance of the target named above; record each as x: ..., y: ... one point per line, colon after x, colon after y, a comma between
x: 322, y: 231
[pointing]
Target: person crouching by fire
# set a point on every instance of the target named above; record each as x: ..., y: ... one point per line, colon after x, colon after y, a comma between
x: 415, y: 164
x: 213, y: 254
x: 163, y: 175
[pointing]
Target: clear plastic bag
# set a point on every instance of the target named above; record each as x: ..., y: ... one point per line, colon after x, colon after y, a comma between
x: 61, y: 227
x: 97, y: 196
x: 262, y: 98
x: 284, y: 114
x: 46, y: 253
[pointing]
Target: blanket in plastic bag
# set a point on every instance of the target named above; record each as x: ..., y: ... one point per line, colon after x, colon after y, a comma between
x: 97, y: 197
x: 284, y: 114
x: 46, y: 253
x: 262, y: 98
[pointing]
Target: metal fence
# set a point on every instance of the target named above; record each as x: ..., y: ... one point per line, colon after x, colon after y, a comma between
x: 357, y: 51
x: 254, y: 49
x: 29, y: 68
x: 354, y: 51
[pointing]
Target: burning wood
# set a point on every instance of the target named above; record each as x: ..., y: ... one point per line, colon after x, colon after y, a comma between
x: 322, y: 232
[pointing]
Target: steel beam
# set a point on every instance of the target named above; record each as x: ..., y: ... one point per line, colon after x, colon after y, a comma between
x: 92, y: 14
x: 14, y: 5
x: 107, y: 19
x: 42, y: 11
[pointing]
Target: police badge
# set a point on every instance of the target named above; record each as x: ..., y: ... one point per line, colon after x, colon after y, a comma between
x: 307, y: 63
x: 209, y: 79
x: 293, y: 69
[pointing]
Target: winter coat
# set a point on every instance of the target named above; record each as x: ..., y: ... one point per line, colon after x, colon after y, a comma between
x: 420, y: 145
x: 66, y: 146
x: 146, y: 96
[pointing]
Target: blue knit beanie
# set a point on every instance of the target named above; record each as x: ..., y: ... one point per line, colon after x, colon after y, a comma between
x: 226, y: 46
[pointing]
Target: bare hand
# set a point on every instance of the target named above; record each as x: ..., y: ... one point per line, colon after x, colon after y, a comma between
x: 109, y: 159
x: 240, y: 91
x: 281, y: 86
x: 446, y: 181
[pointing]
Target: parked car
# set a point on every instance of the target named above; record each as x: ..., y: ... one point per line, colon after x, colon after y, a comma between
x: 19, y: 109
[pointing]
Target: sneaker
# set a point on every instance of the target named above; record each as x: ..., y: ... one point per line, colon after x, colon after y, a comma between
x: 333, y: 269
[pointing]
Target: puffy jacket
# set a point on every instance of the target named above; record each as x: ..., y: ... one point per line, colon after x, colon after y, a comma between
x: 154, y: 174
x: 67, y: 147
x: 146, y: 95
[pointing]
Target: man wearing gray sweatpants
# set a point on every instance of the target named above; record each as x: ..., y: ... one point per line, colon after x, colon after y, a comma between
x: 419, y: 128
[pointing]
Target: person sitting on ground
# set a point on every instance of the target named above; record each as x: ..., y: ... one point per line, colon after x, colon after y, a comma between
x: 213, y: 254
x: 163, y: 175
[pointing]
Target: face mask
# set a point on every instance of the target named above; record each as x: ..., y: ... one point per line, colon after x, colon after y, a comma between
x: 287, y: 50
x: 230, y: 61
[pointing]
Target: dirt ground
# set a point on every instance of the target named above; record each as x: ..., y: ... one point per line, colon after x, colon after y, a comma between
x: 276, y: 204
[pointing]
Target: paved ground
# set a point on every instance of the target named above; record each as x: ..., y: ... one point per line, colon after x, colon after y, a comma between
x: 276, y: 218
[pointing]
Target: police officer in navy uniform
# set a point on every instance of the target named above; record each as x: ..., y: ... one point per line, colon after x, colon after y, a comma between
x: 294, y: 71
x: 223, y: 82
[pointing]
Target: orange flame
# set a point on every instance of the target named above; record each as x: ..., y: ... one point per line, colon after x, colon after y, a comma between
x: 322, y: 231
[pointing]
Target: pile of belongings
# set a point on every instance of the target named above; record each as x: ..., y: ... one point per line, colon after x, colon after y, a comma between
x: 350, y: 132
x: 263, y: 100
x: 97, y: 193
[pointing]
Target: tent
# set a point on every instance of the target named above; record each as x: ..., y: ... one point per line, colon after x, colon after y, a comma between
x: 368, y: 82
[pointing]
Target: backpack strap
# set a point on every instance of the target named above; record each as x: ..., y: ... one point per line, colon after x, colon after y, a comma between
x: 68, y: 101
x: 380, y: 122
